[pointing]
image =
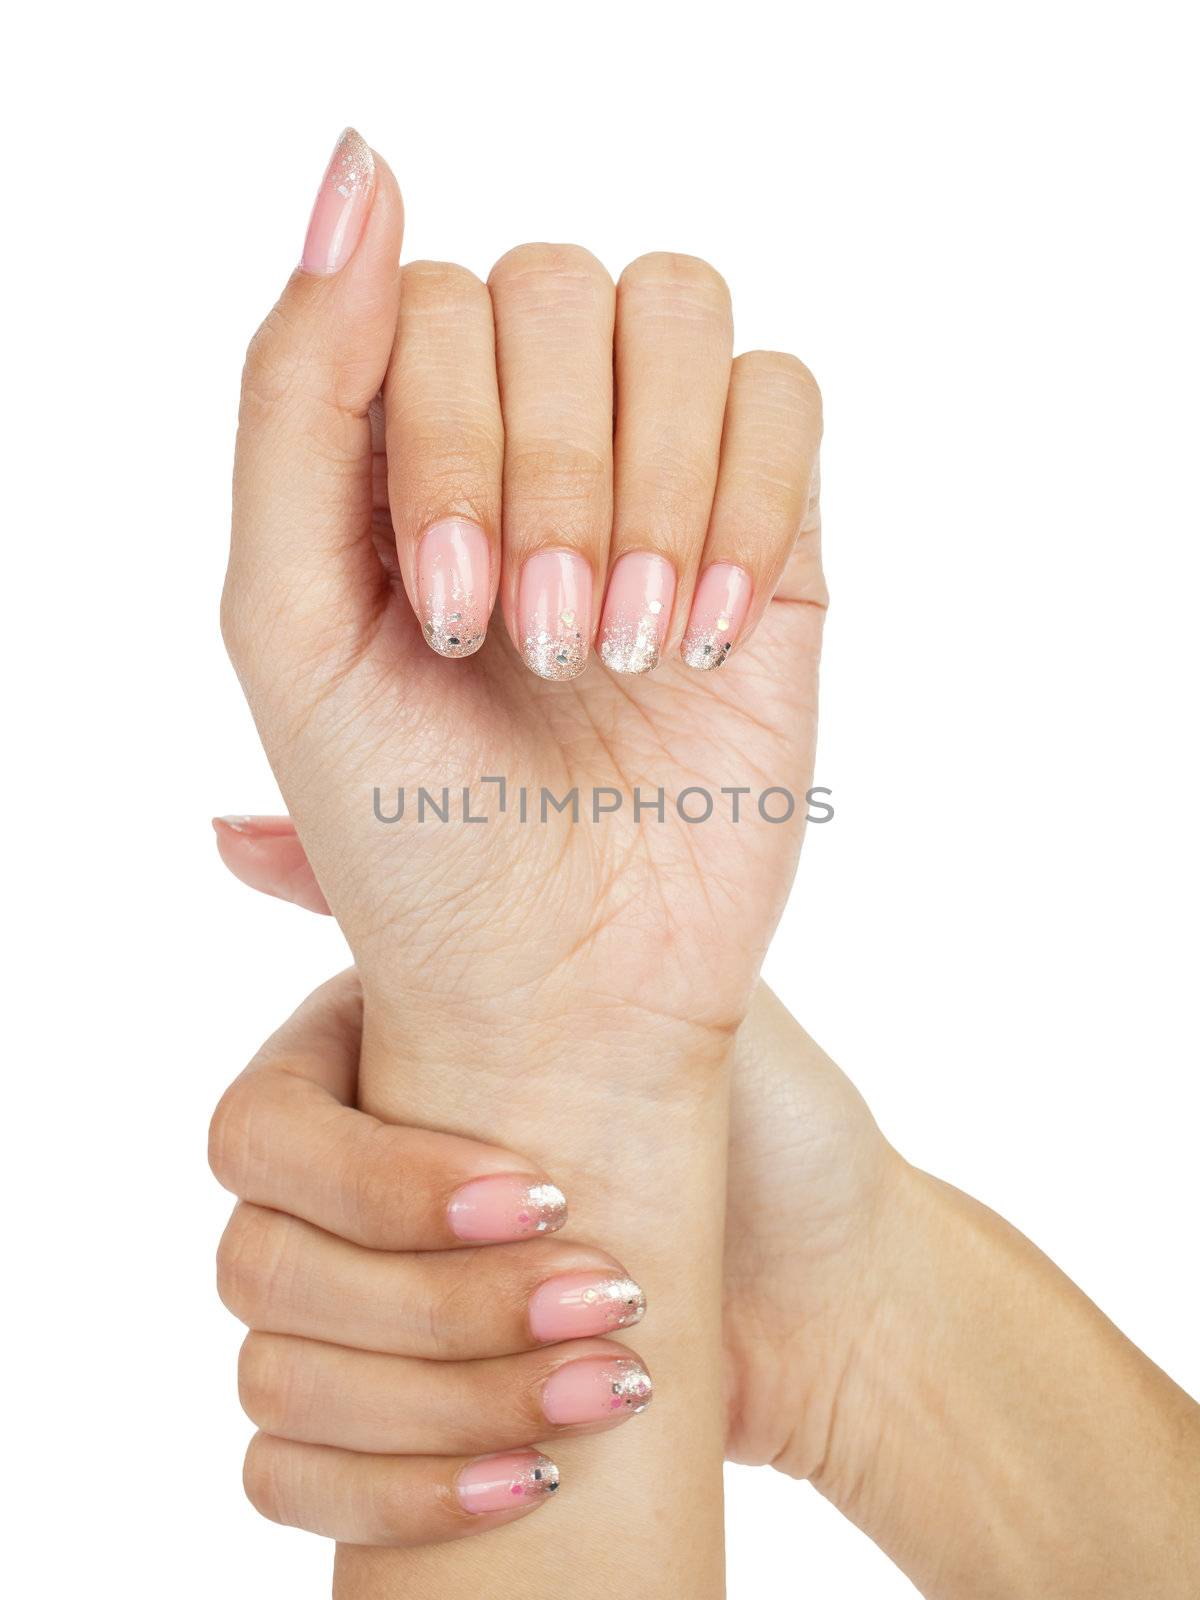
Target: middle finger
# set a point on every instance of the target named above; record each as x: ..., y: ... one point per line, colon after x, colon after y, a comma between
x: 280, y: 1275
x: 554, y: 309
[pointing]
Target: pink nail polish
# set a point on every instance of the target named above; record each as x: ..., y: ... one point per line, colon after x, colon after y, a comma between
x: 637, y: 612
x: 453, y: 586
x: 596, y: 1390
x: 719, y: 608
x: 341, y: 207
x: 506, y: 1482
x: 259, y: 827
x: 500, y: 1209
x: 579, y: 1305
x: 554, y: 613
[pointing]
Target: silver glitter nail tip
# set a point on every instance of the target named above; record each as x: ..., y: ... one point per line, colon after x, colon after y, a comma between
x: 620, y: 1299
x: 353, y: 164
x: 557, y: 656
x: 539, y: 1478
x: 707, y: 649
x: 631, y: 1385
x: 630, y: 647
x: 544, y: 1211
x: 455, y: 633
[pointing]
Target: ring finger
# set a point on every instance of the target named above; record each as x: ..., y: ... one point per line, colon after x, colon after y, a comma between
x: 319, y: 1393
x: 674, y: 342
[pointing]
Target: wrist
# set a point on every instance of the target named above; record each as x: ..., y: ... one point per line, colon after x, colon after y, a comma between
x: 625, y: 1114
x: 631, y: 1121
x: 567, y: 1046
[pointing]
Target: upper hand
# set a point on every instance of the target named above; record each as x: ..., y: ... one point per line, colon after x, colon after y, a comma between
x: 492, y: 470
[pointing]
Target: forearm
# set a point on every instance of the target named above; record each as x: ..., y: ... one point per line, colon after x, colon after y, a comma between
x: 641, y: 1157
x: 995, y: 1434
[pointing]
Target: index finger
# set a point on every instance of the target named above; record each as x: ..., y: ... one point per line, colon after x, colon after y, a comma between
x: 286, y: 1135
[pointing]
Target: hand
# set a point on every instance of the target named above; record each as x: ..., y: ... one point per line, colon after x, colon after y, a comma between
x: 495, y: 471
x: 387, y: 1344
x: 809, y: 1175
x: 985, y: 1411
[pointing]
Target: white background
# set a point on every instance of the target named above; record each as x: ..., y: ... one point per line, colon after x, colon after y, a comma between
x: 976, y: 225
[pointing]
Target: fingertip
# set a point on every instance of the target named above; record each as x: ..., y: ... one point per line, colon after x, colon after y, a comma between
x: 504, y: 1208
x: 265, y: 854
x: 514, y: 1480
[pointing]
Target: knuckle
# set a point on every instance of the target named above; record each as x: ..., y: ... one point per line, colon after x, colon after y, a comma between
x: 389, y: 1509
x: 674, y: 478
x: 449, y: 460
x: 776, y: 372
x: 515, y: 1402
x: 557, y: 471
x: 446, y: 1319
x: 771, y: 495
x: 229, y: 1138
x: 275, y: 358
x: 685, y: 281
x: 253, y: 1262
x: 447, y: 1323
x: 261, y: 1382
x: 440, y: 286
x: 262, y: 1477
x: 275, y: 1383
x: 538, y: 263
x: 373, y: 1196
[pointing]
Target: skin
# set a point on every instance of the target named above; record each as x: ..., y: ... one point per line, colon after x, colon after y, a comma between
x: 885, y: 1336
x: 515, y: 958
x: 810, y: 1173
x: 576, y: 993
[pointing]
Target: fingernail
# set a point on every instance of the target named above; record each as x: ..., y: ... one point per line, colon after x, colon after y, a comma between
x: 579, y: 1305
x: 719, y: 608
x: 501, y: 1482
x: 637, y: 612
x: 500, y: 1209
x: 341, y: 207
x: 453, y: 586
x: 596, y: 1390
x: 554, y: 613
x: 258, y: 827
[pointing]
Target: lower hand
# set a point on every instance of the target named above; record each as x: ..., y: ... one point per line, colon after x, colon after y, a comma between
x: 397, y: 1369
x: 808, y: 1172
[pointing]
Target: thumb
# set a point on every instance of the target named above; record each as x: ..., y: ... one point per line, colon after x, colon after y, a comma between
x: 265, y: 853
x: 301, y: 552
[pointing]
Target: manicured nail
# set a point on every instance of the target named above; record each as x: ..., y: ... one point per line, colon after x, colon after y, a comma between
x: 719, y: 608
x: 579, y: 1305
x: 503, y: 1482
x: 554, y: 613
x: 453, y: 586
x: 637, y: 612
x: 500, y: 1209
x: 341, y: 207
x: 258, y: 827
x: 596, y: 1390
